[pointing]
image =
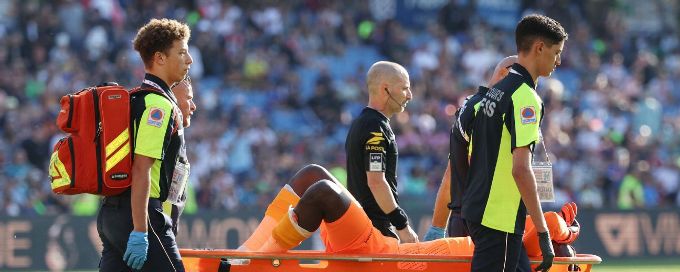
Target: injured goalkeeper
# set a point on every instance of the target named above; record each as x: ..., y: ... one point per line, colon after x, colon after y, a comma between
x: 345, y: 227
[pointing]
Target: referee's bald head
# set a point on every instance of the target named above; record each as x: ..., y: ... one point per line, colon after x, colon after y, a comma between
x: 382, y: 72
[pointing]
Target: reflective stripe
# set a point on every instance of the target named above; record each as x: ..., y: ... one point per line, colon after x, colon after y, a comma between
x: 58, y: 172
x: 113, y: 157
x: 505, y: 254
x: 119, y: 140
x: 460, y: 113
x: 117, y: 157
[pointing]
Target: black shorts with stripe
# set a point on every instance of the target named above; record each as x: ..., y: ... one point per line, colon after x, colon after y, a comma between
x: 497, y: 250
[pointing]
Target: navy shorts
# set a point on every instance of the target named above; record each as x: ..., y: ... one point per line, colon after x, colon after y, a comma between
x: 114, y: 224
x: 497, y: 250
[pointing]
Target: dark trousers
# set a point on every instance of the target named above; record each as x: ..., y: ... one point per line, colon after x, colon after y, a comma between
x: 497, y: 250
x: 114, y: 224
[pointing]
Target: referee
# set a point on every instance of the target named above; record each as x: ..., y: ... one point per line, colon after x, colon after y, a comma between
x: 501, y: 184
x: 372, y: 151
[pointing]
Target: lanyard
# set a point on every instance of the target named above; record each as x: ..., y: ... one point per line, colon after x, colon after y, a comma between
x: 545, y: 151
x: 158, y: 87
x: 152, y: 84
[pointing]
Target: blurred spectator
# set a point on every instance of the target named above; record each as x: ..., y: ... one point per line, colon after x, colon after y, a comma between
x: 280, y: 80
x: 631, y: 193
x: 591, y: 197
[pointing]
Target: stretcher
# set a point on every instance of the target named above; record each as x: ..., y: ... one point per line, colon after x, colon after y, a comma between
x: 204, y: 260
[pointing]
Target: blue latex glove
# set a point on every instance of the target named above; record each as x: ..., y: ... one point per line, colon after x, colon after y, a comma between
x: 137, y: 246
x: 434, y: 233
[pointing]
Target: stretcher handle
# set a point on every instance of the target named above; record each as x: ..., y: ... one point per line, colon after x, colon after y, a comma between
x: 321, y: 255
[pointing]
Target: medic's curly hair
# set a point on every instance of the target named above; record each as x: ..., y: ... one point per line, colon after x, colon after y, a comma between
x: 158, y: 36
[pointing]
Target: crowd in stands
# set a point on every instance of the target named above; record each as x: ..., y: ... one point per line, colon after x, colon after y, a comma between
x: 277, y: 84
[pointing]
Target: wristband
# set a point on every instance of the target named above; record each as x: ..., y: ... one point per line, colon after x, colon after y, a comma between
x: 398, y: 218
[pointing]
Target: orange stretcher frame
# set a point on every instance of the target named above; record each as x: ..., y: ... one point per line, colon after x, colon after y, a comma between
x: 204, y: 260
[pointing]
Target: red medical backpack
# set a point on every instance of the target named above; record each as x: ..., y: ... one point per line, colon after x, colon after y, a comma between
x: 96, y: 156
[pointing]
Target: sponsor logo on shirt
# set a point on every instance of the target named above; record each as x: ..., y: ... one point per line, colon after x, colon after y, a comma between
x: 528, y: 115
x: 375, y: 148
x: 155, y: 117
x: 377, y: 138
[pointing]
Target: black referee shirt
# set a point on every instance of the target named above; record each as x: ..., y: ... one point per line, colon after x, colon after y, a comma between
x: 371, y: 147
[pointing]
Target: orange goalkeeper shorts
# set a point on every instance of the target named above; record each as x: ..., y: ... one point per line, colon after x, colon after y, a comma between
x: 354, y: 233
